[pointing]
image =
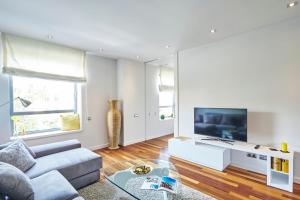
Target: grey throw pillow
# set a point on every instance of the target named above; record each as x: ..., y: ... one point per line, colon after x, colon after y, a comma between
x: 17, y: 155
x: 14, y: 183
x: 2, y: 146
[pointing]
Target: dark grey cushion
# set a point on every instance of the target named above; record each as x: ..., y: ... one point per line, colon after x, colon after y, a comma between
x: 14, y: 183
x: 47, y: 149
x: 71, y: 164
x: 17, y: 155
x: 52, y: 186
x: 2, y: 146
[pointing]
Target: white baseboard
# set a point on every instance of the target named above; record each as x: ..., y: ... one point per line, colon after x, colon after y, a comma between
x: 101, y: 146
x: 126, y: 143
x: 156, y: 136
x: 297, y: 180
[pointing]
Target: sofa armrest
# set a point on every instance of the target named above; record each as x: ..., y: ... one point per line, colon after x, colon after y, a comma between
x: 47, y: 149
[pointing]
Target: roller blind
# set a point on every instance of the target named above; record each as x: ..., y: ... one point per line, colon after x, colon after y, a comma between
x: 166, y: 79
x: 34, y: 58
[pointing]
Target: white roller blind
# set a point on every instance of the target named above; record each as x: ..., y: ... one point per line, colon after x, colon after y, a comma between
x: 166, y: 79
x: 34, y: 58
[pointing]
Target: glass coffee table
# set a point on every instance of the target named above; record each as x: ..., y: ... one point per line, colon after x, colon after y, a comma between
x: 123, y: 176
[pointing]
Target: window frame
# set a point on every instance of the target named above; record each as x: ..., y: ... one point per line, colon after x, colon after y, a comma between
x: 167, y: 117
x: 167, y: 106
x: 13, y: 113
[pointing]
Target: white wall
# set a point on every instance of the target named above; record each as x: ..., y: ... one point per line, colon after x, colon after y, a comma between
x: 154, y: 126
x: 259, y: 70
x: 131, y: 91
x: 101, y: 86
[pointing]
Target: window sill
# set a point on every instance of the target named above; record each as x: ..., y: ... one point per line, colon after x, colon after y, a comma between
x: 44, y: 135
x: 167, y: 118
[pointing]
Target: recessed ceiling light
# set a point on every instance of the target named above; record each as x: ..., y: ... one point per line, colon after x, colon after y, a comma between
x: 137, y: 57
x: 50, y: 37
x: 292, y: 4
x: 212, y: 31
x: 168, y: 46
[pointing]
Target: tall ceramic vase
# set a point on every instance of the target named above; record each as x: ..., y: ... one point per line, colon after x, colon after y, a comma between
x: 114, y: 124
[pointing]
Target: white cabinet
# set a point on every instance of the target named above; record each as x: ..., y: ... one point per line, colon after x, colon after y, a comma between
x: 204, y: 154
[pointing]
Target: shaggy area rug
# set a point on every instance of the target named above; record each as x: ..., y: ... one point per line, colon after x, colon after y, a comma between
x: 104, y: 190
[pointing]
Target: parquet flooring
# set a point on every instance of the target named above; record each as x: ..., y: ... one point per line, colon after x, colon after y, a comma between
x: 232, y: 184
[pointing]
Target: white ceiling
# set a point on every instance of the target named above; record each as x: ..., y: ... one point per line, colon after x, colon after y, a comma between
x: 166, y: 61
x: 127, y: 28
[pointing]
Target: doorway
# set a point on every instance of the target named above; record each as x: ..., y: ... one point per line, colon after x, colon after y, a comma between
x: 161, y: 96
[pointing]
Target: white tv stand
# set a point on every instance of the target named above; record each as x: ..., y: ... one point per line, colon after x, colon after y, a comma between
x: 217, y: 155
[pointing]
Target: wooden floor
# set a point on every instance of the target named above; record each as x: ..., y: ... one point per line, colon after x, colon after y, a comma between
x: 233, y: 183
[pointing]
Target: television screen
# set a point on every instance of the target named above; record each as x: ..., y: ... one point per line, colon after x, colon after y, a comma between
x: 223, y: 123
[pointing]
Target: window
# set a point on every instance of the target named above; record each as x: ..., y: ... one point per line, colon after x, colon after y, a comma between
x: 166, y: 93
x: 166, y: 104
x: 50, y: 99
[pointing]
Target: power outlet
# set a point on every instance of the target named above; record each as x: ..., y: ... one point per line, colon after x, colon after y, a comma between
x: 262, y: 157
x: 251, y: 155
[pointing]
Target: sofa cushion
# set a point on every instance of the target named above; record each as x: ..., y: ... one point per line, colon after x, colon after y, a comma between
x: 71, y: 164
x: 17, y: 155
x: 14, y: 183
x: 53, y: 186
x: 2, y: 146
x: 56, y: 147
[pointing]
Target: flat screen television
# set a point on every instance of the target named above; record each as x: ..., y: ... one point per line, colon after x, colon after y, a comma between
x: 225, y: 123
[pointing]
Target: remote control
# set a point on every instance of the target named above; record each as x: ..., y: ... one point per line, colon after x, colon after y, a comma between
x: 272, y: 149
x: 257, y: 146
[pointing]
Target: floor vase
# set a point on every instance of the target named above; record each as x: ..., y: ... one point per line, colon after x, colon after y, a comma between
x: 113, y: 124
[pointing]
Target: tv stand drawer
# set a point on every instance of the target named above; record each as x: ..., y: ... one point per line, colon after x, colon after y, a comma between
x: 204, y: 154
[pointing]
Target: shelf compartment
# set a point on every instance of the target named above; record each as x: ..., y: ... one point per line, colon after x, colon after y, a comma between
x: 280, y: 172
x: 279, y: 178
